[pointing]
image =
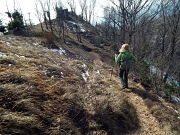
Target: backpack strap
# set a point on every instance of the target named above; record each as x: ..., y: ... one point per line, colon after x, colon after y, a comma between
x: 126, y: 62
x: 120, y: 59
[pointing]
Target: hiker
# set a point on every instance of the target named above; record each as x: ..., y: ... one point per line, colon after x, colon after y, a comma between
x: 125, y: 60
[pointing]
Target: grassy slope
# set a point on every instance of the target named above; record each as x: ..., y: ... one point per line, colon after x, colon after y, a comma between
x: 43, y: 92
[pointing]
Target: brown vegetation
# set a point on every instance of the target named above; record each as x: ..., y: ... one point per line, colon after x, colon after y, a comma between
x: 45, y: 92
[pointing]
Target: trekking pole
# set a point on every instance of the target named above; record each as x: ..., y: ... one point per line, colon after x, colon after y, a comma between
x: 113, y: 65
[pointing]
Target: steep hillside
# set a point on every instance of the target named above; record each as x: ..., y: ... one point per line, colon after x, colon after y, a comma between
x: 47, y: 91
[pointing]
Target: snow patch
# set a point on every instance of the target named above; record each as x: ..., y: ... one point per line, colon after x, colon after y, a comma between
x: 19, y: 56
x: 8, y: 43
x: 97, y: 71
x: 84, y: 65
x: 35, y: 44
x: 85, y: 75
x: 60, y: 51
x: 172, y: 109
x: 176, y: 99
x: 62, y: 75
x: 2, y: 54
x: 173, y: 98
x: 45, y: 72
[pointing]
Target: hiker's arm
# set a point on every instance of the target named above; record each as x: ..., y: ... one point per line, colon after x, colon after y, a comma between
x: 117, y: 57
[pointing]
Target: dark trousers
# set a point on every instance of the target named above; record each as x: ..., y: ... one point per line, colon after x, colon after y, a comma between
x: 123, y: 74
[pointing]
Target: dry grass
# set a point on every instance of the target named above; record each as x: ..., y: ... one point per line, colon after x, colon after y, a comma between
x: 49, y: 36
x: 44, y: 92
x: 167, y: 116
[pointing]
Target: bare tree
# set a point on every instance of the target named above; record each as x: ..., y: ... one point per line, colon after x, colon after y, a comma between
x: 39, y: 15
x: 42, y: 5
x: 108, y: 22
x: 48, y: 4
x: 72, y: 5
x: 91, y: 7
x: 86, y: 13
x: 130, y: 14
x: 8, y: 12
x: 83, y: 6
x: 170, y: 37
x: 173, y: 20
x: 61, y: 19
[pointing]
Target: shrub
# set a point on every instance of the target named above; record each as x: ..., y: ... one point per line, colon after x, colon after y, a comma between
x: 2, y: 29
x: 143, y: 71
x: 172, y: 87
x: 16, y: 22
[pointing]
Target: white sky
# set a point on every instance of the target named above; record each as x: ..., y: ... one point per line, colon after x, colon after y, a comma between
x: 28, y: 6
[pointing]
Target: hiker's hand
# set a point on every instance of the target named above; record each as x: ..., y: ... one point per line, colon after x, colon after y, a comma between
x: 115, y: 55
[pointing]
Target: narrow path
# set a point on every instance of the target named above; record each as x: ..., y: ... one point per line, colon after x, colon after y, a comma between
x: 149, y: 124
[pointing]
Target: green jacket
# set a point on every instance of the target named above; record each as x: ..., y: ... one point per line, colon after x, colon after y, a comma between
x: 125, y: 60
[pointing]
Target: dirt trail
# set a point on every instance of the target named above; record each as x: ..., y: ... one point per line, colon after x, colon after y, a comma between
x: 149, y: 124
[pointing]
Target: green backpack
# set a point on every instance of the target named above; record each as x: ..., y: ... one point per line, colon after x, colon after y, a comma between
x: 126, y: 60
